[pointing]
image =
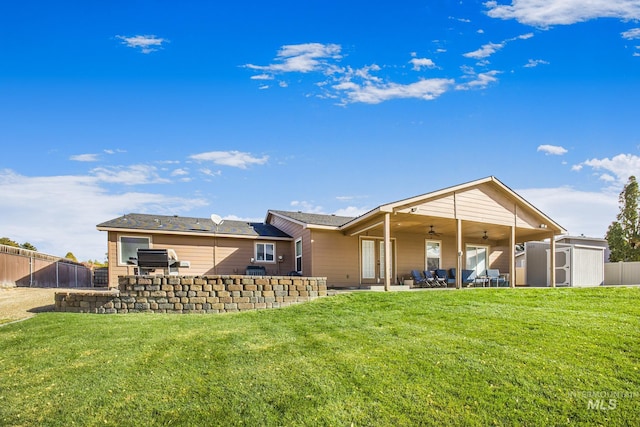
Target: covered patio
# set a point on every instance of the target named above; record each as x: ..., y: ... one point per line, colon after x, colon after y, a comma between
x: 476, y: 225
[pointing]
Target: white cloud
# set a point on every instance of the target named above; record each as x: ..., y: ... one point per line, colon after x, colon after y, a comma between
x: 68, y: 210
x: 130, y: 175
x: 485, y: 51
x: 84, y: 158
x: 567, y: 206
x: 419, y: 63
x: 307, y: 207
x: 146, y: 44
x: 552, y: 149
x: 262, y: 77
x: 490, y: 48
x: 180, y: 172
x: 234, y: 159
x: 372, y: 93
x: 535, y: 62
x: 631, y: 34
x: 478, y: 81
x: 351, y: 211
x: 302, y: 58
x: 209, y: 172
x: 242, y: 218
x: 546, y: 13
x: 620, y: 167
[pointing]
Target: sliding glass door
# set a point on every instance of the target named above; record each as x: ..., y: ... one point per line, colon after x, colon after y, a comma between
x: 477, y: 258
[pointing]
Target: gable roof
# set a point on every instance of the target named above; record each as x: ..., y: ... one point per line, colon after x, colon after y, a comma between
x: 406, y: 204
x: 313, y: 220
x: 188, y: 225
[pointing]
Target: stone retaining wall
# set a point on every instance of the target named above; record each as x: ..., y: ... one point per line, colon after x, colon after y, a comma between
x: 188, y: 294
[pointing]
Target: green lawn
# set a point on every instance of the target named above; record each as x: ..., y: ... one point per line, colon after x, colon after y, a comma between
x: 473, y: 357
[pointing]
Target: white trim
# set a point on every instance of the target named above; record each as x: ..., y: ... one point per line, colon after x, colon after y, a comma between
x: 377, y: 224
x: 474, y: 245
x: 426, y: 254
x: 265, y: 261
x: 295, y: 255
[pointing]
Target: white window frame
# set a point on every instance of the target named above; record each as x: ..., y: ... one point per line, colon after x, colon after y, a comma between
x: 264, y: 244
x: 426, y: 253
x: 122, y: 262
x: 298, y: 256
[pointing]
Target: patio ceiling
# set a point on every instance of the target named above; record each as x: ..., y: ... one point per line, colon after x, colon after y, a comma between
x: 408, y: 223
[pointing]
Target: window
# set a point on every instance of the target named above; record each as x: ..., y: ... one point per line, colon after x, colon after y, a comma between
x: 265, y: 252
x: 129, y: 247
x: 433, y: 255
x: 299, y: 255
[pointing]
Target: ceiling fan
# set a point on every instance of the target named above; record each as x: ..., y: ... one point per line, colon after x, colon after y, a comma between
x: 485, y: 237
x: 432, y: 232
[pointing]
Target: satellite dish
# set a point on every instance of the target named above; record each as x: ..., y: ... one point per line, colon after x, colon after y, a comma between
x: 217, y: 219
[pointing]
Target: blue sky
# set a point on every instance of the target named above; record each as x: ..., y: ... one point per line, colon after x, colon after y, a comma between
x: 194, y: 107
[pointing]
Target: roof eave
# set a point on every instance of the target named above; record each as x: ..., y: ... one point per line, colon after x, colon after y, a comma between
x: 194, y: 233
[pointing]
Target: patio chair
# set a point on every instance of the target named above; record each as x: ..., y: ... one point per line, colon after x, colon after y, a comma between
x: 421, y: 281
x: 441, y: 277
x: 493, y: 275
x: 451, y: 277
x: 433, y: 280
x: 468, y: 277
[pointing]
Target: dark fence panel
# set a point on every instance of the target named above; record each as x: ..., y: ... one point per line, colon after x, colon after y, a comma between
x: 20, y: 267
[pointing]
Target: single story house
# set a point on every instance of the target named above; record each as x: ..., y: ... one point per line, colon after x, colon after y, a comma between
x: 475, y: 225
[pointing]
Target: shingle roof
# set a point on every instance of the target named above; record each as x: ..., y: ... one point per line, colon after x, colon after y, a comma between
x: 315, y: 219
x: 175, y: 223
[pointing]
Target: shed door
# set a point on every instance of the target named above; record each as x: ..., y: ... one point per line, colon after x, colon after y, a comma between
x: 563, y: 267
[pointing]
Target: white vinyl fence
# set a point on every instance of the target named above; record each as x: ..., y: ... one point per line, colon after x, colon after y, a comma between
x: 622, y: 273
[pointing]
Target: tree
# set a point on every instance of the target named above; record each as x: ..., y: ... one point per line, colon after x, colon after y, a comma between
x: 29, y: 246
x: 7, y: 241
x: 71, y: 256
x: 623, y: 234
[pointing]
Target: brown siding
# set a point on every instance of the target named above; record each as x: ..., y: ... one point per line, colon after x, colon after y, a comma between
x: 336, y: 256
x: 232, y: 255
x: 443, y: 207
x: 291, y: 228
x: 484, y: 204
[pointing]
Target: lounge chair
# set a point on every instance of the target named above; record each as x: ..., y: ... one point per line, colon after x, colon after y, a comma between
x: 493, y: 275
x: 433, y: 280
x: 468, y: 278
x: 451, y: 277
x: 421, y: 281
x: 441, y: 277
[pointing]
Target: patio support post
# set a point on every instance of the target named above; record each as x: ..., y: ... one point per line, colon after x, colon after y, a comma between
x: 387, y: 251
x: 459, y: 254
x: 512, y: 258
x: 552, y: 260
